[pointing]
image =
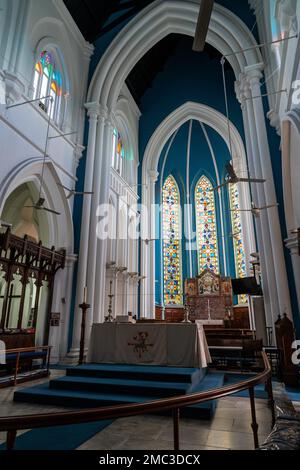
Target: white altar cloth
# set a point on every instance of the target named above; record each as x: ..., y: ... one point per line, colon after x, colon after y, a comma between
x: 171, y: 344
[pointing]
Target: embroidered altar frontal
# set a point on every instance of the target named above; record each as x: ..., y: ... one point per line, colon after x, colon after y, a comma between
x: 158, y: 344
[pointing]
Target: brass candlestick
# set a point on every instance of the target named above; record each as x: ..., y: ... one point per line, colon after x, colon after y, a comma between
x: 110, y: 318
x: 186, y: 311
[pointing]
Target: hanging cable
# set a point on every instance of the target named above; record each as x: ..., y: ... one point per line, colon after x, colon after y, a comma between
x: 226, y: 105
x: 50, y: 98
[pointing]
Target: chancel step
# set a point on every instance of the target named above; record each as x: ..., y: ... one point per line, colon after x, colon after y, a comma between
x: 120, y: 386
x: 95, y: 385
x: 138, y: 372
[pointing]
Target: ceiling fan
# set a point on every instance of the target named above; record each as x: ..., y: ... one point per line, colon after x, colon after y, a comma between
x: 233, y: 178
x: 147, y: 241
x: 203, y: 21
x: 39, y: 206
x: 254, y: 209
x: 5, y: 224
x: 72, y: 192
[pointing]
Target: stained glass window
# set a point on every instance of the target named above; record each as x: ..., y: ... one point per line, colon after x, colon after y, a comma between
x: 237, y: 236
x: 118, y: 152
x: 207, y: 243
x: 171, y: 242
x: 48, y: 82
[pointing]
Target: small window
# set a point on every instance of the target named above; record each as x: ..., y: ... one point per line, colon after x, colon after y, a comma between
x: 48, y: 82
x: 118, y: 152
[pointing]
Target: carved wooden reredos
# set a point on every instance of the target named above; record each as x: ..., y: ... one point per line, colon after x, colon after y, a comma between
x: 208, y: 294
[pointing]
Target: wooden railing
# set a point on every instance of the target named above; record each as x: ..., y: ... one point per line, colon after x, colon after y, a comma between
x: 13, y: 424
x: 45, y: 352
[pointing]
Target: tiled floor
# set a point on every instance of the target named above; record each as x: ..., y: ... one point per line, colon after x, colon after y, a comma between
x: 229, y: 429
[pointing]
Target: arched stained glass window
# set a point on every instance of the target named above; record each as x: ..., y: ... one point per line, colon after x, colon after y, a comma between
x: 171, y: 228
x: 276, y: 32
x: 48, y: 82
x: 237, y: 236
x: 207, y: 245
x: 118, y: 152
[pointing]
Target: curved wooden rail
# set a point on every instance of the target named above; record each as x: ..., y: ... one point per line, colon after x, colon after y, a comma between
x: 13, y: 424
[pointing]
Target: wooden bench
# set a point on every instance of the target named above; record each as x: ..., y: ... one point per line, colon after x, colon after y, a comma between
x: 16, y: 358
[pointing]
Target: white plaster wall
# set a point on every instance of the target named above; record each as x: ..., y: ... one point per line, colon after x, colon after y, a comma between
x: 26, y: 28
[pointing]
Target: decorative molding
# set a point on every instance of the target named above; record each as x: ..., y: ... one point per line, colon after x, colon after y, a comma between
x: 78, y: 152
x: 274, y: 119
x: 153, y: 175
x: 14, y: 88
x: 125, y: 94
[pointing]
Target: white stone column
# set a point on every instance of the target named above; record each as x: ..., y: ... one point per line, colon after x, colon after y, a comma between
x: 243, y: 94
x: 71, y: 259
x: 92, y: 249
x: 153, y: 175
x: 104, y: 183
x: 126, y: 293
x: 144, y: 252
x: 54, y: 331
x: 93, y: 112
x: 265, y: 242
x: 254, y: 75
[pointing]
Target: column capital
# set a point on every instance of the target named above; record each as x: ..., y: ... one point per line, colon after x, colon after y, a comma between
x: 253, y: 73
x: 78, y: 151
x: 93, y: 110
x: 292, y: 244
x: 242, y: 89
x: 71, y: 259
x: 153, y: 175
x: 88, y: 51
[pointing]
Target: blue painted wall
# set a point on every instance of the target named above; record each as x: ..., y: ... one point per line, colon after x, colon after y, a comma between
x: 201, y: 163
x: 187, y: 76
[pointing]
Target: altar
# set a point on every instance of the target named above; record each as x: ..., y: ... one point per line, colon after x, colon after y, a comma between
x: 182, y: 344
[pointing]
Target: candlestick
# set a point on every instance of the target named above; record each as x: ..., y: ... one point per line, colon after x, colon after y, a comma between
x: 208, y: 309
x: 109, y: 317
x: 85, y: 295
x: 84, y: 307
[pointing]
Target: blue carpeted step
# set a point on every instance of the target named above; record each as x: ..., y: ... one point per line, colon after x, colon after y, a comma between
x: 68, y: 398
x: 211, y: 381
x: 119, y: 386
x: 42, y: 394
x: 138, y: 372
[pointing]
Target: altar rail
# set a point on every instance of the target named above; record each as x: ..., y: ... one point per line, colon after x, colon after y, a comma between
x: 17, y: 355
x: 16, y: 423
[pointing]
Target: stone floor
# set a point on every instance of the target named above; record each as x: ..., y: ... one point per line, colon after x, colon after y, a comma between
x: 229, y: 429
